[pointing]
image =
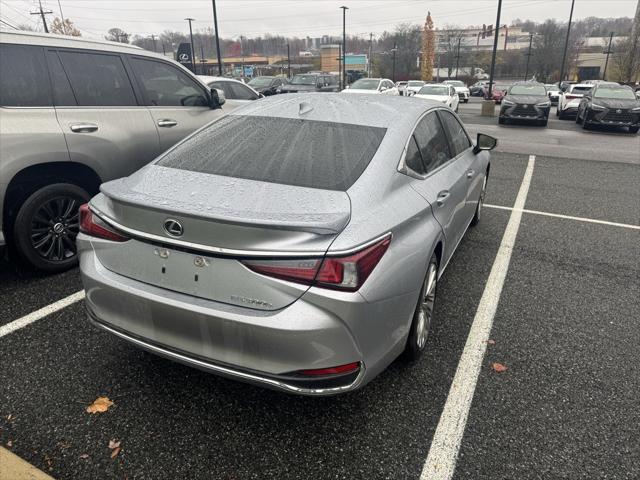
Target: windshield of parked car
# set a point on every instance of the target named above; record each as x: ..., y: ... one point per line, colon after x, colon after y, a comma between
x: 415, y: 83
x: 528, y: 90
x: 366, y: 84
x: 290, y: 151
x: 261, y: 82
x: 455, y: 83
x: 616, y: 93
x: 434, y: 90
x: 304, y: 80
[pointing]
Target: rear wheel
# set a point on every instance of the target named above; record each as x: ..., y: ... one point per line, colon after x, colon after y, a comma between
x: 423, y: 314
x: 476, y: 216
x: 466, y: 100
x: 501, y: 120
x: 46, y: 227
x: 634, y: 129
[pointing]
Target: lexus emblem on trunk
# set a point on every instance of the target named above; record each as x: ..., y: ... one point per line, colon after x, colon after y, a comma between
x: 173, y: 227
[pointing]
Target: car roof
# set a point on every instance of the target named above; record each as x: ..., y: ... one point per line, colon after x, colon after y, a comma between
x: 370, y: 110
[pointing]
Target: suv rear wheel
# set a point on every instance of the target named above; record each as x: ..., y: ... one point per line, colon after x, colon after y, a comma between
x: 46, y: 227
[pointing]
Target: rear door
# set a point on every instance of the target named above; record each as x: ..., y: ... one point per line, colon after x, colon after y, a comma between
x: 105, y: 125
x: 442, y: 182
x: 462, y: 150
x: 177, y: 102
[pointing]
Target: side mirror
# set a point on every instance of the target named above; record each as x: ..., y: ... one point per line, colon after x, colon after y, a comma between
x: 382, y: 89
x: 217, y: 98
x: 484, y: 142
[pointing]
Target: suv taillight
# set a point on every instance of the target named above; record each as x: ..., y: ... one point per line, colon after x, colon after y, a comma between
x: 335, y: 272
x: 91, y: 225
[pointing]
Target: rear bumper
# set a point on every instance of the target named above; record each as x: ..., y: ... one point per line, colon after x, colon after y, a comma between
x: 260, y: 347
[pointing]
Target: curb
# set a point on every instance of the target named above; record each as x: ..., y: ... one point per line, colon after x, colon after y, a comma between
x: 13, y: 467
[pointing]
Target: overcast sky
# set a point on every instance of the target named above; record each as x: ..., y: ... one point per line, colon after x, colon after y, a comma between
x: 298, y: 17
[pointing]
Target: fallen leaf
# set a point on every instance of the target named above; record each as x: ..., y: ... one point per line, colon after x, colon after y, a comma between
x: 491, y: 342
x: 498, y: 367
x: 84, y: 456
x: 115, y: 452
x: 100, y: 405
x: 9, y: 444
x: 10, y: 416
x: 113, y: 444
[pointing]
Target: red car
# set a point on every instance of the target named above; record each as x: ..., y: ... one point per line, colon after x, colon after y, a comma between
x: 497, y: 93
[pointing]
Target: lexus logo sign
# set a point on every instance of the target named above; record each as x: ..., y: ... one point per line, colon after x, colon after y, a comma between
x: 173, y: 228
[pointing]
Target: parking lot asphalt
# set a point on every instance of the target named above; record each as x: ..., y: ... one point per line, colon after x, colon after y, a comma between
x: 566, y: 327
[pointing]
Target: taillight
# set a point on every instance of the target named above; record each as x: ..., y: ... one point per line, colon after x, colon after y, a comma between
x: 336, y: 272
x: 340, y: 369
x: 91, y: 224
x: 572, y: 97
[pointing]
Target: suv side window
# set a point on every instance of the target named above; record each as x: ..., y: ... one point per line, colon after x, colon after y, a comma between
x: 164, y: 85
x: 432, y: 142
x: 458, y: 137
x: 240, y: 92
x: 24, y: 79
x: 98, y: 79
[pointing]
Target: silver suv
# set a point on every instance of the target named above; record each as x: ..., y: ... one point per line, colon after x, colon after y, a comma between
x: 75, y: 113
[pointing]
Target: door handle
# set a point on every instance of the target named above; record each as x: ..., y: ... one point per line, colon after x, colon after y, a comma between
x: 84, y: 127
x: 442, y: 197
x: 167, y: 122
x: 470, y: 173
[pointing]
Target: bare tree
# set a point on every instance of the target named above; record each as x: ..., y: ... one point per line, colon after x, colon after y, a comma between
x: 64, y: 28
x: 117, y: 35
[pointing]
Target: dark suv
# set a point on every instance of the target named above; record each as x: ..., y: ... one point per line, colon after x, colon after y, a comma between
x: 312, y: 82
x: 526, y: 101
x: 610, y: 104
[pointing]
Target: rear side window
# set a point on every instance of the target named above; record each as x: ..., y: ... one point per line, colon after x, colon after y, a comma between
x: 164, y: 85
x: 432, y: 142
x: 98, y: 80
x: 412, y: 159
x: 459, y: 140
x: 24, y: 80
x: 290, y: 151
x: 62, y: 93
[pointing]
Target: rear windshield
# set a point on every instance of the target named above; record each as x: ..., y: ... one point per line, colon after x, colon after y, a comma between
x: 580, y: 89
x: 290, y: 151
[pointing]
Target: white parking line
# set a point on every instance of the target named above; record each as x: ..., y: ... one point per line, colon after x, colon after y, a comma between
x: 443, y: 454
x: 39, y: 314
x: 567, y: 217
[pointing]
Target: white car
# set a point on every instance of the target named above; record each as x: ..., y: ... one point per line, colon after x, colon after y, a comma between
x: 375, y: 86
x: 553, y: 92
x: 413, y: 86
x: 233, y: 89
x: 460, y: 88
x: 569, y: 101
x: 440, y: 93
x: 402, y: 87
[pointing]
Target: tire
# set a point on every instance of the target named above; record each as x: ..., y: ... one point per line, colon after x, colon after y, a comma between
x: 501, y: 120
x: 634, y: 129
x: 423, y: 314
x: 477, y: 215
x: 46, y: 227
x: 543, y: 123
x: 466, y: 100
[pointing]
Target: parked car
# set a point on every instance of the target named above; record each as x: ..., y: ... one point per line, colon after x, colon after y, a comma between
x: 304, y: 258
x: 497, y: 92
x: 380, y: 86
x: 440, y: 93
x: 267, y: 85
x: 233, y: 89
x: 461, y: 89
x: 609, y: 104
x: 477, y: 89
x: 402, y: 87
x: 413, y: 86
x: 564, y: 85
x: 570, y: 100
x: 553, y: 92
x: 526, y: 101
x: 75, y: 113
x: 312, y: 82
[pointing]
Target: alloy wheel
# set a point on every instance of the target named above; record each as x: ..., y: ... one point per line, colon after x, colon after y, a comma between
x: 54, y: 228
x: 426, y: 306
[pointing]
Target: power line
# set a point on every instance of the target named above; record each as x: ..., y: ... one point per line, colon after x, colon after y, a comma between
x: 9, y: 25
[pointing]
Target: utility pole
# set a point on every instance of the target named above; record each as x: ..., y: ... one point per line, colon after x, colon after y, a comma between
x: 42, y: 14
x: 153, y: 38
x: 344, y: 46
x: 495, y: 48
x: 566, y: 44
x: 164, y: 50
x: 242, y: 55
x: 458, y: 57
x: 202, y: 60
x: 370, y: 54
x: 64, y: 27
x: 608, y: 52
x: 526, y: 71
x: 215, y: 26
x: 288, y: 61
x: 393, y: 72
x: 193, y: 62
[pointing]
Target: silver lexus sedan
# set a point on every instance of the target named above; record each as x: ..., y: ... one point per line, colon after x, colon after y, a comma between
x: 295, y: 243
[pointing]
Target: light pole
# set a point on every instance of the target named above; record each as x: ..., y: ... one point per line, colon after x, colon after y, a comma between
x: 526, y: 70
x: 495, y: 48
x: 215, y: 26
x: 566, y: 43
x: 288, y: 61
x: 393, y: 72
x: 458, y: 57
x: 192, y: 53
x: 344, y: 45
x: 606, y: 63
